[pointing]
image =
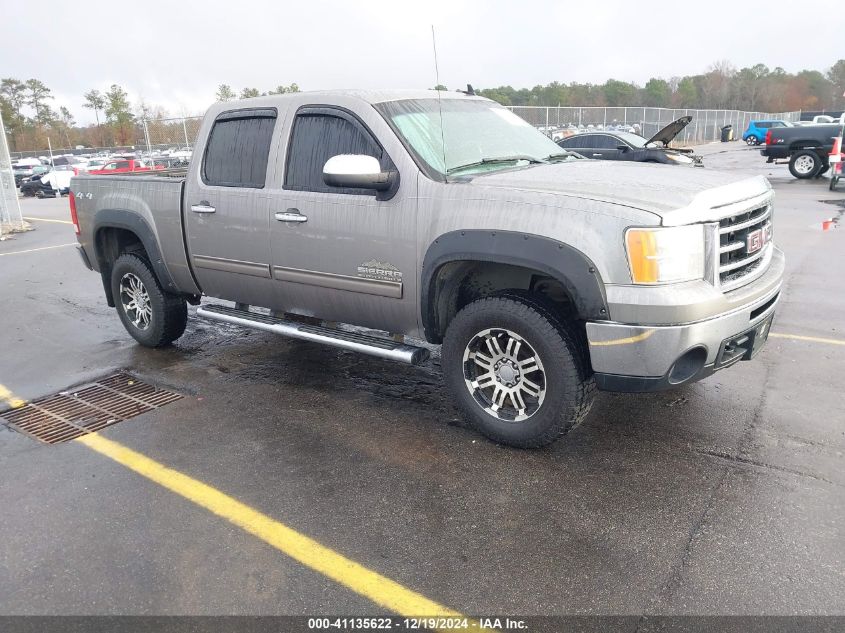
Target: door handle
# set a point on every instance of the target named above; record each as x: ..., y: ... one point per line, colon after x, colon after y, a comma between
x: 291, y: 215
x: 596, y: 154
x: 203, y: 207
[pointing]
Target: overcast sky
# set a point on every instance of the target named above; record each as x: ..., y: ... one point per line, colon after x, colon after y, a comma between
x: 175, y: 53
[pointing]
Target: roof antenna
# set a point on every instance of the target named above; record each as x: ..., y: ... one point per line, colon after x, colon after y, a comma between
x: 439, y: 103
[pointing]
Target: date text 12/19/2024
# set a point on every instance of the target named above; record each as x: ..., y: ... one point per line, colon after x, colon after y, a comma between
x: 415, y: 624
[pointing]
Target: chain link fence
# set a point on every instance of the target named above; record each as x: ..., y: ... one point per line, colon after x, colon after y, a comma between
x: 706, y: 125
x: 170, y: 134
x: 10, y: 208
x: 157, y: 136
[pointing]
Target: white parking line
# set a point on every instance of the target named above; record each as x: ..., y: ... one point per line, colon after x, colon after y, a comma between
x: 35, y: 250
x: 47, y: 220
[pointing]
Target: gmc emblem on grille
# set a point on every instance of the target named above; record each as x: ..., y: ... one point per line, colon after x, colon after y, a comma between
x: 758, y: 239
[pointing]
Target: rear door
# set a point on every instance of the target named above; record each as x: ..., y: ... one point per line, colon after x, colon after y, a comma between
x: 226, y: 208
x: 605, y: 147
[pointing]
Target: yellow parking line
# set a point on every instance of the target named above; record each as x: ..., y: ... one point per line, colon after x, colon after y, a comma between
x: 370, y: 584
x: 47, y: 220
x: 812, y: 339
x: 35, y: 250
x: 9, y: 398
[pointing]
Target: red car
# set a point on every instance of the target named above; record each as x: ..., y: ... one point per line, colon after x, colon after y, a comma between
x: 124, y: 166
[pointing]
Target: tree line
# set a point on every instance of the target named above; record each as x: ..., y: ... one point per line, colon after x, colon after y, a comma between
x: 754, y: 89
x: 31, y: 116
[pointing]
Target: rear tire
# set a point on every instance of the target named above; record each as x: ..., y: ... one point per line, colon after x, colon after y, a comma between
x: 153, y: 317
x: 752, y: 140
x: 521, y: 375
x: 804, y: 164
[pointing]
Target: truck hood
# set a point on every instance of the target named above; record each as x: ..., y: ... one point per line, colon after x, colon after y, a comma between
x: 664, y: 190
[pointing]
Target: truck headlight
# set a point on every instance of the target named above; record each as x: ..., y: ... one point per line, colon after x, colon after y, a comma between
x: 666, y: 254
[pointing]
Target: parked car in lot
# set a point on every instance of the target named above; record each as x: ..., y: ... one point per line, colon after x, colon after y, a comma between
x: 97, y: 163
x: 613, y: 145
x: 167, y: 162
x: 25, y: 172
x: 806, y: 147
x: 55, y: 182
x: 755, y: 133
x: 822, y: 119
x: 123, y: 166
x: 73, y: 161
x: 542, y: 275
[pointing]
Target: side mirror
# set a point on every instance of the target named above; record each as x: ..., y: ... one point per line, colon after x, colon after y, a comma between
x: 622, y: 148
x: 357, y: 171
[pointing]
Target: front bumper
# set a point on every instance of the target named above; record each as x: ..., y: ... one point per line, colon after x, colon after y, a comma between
x: 651, y: 358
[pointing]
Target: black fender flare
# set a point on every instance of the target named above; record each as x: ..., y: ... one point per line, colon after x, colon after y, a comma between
x: 131, y: 221
x: 572, y: 268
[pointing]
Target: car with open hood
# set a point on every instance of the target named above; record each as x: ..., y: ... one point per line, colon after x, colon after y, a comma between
x: 618, y: 145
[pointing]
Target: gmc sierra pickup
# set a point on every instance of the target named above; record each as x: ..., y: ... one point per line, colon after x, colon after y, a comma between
x: 443, y: 217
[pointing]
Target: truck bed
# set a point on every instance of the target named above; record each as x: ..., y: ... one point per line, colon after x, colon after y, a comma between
x: 144, y: 203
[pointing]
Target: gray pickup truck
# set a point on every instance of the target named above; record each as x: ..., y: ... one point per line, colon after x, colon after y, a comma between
x: 443, y: 217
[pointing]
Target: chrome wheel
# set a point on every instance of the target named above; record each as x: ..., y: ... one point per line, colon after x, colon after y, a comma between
x: 805, y: 164
x: 136, y: 301
x: 504, y: 375
x: 751, y: 140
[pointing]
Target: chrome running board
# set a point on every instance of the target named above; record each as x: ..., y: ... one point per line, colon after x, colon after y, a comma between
x: 353, y: 341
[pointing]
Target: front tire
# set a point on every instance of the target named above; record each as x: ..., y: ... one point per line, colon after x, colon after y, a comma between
x: 521, y: 376
x: 804, y: 164
x: 153, y: 317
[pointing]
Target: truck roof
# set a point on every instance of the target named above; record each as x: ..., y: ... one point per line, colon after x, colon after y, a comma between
x: 368, y: 96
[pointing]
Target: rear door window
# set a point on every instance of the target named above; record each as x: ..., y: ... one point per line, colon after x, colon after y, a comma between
x: 603, y: 141
x: 238, y: 149
x: 764, y: 124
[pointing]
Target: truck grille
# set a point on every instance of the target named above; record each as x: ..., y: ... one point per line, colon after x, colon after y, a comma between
x: 736, y: 265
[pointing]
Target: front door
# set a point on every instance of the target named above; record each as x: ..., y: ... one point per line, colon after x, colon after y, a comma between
x: 226, y: 208
x: 340, y: 254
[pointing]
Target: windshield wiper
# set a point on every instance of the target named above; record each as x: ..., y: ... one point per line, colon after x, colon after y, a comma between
x: 489, y: 161
x: 562, y: 156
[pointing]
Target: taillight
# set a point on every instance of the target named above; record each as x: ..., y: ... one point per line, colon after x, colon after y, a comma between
x: 72, y: 198
x: 837, y: 146
x: 768, y: 137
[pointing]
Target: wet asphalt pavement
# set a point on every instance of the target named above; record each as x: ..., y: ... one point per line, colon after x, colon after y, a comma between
x: 723, y: 497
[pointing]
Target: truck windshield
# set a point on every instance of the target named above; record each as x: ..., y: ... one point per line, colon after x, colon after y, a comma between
x: 475, y: 136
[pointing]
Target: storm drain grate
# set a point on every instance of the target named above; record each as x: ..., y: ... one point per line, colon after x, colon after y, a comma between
x: 89, y: 408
